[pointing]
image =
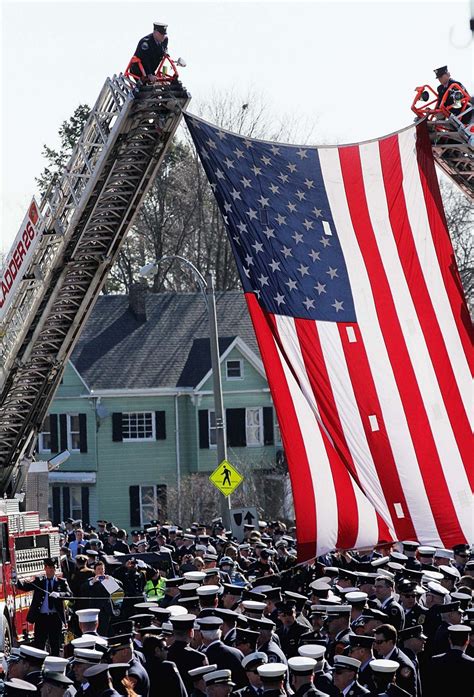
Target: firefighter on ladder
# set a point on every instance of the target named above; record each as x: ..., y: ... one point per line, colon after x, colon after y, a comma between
x: 150, y: 52
x: 445, y: 80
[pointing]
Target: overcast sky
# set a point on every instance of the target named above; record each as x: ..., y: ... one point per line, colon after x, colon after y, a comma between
x: 348, y: 67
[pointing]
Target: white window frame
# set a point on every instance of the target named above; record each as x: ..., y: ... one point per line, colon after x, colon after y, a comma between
x: 155, y: 503
x: 241, y: 364
x: 41, y: 435
x: 260, y: 426
x: 147, y: 439
x: 70, y: 433
x: 211, y: 429
x: 276, y: 431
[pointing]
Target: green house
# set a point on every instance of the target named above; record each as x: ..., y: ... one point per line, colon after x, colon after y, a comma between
x: 135, y: 406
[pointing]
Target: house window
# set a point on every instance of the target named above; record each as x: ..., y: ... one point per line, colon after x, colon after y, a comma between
x: 234, y: 369
x: 138, y: 425
x: 277, y: 432
x: 44, y: 439
x: 69, y: 500
x: 152, y: 502
x: 73, y: 433
x: 212, y: 429
x: 254, y: 426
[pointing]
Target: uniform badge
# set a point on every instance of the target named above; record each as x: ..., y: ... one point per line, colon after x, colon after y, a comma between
x: 405, y: 672
x: 421, y: 619
x: 144, y: 46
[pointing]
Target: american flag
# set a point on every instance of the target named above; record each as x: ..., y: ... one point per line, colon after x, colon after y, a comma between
x: 357, y: 305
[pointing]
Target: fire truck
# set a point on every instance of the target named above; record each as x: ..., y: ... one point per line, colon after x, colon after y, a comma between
x: 50, y: 280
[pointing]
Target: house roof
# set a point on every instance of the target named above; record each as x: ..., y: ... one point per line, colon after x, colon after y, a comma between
x: 170, y: 349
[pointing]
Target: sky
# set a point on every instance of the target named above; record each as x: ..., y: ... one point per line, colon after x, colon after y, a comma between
x: 345, y: 70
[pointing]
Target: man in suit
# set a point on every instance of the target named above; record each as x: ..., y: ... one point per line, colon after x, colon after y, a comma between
x: 47, y: 607
x: 385, y: 646
x: 345, y: 676
x: 185, y: 657
x: 290, y: 631
x: 250, y: 665
x: 452, y: 672
x: 384, y: 587
x: 302, y: 677
x: 225, y: 657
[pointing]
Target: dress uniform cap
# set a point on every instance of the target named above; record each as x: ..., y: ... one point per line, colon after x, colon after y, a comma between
x: 174, y: 582
x: 441, y: 71
x: 383, y: 665
x: 415, y: 632
x: 244, y: 636
x: 271, y: 671
x: 429, y: 575
x: 356, y: 597
x: 261, y: 623
x: 263, y: 589
x: 449, y: 607
x: 56, y: 678
x: 346, y: 575
x: 160, y: 26
x: 91, y: 614
x: 331, y: 571
x: 87, y: 656
x: 231, y: 589
x: 55, y: 664
x: 302, y: 665
x: 398, y: 557
x: 141, y: 620
x: 95, y: 670
x: 167, y: 629
x: 338, y: 610
x: 194, y: 576
x: 208, y: 590
x: 410, y: 545
x: 381, y: 561
x: 88, y: 641
x: 253, y: 605
x: 188, y: 589
x: 183, y: 622
x: 314, y: 651
x: 320, y: 586
x: 449, y: 571
x: 444, y: 554
x: 342, y: 661
x: 331, y: 600
x: 361, y: 640
x: 457, y: 629
x: 198, y: 673
x: 219, y: 677
x: 209, y: 623
x: 31, y: 653
x: 189, y: 602
x: 257, y: 658
x: 161, y: 613
x: 17, y: 687
x: 226, y: 615
x: 426, y: 551
x: 437, y: 589
x: 462, y: 597
x: 176, y: 610
x: 120, y: 641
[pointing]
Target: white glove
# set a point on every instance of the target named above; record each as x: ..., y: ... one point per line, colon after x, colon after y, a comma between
x: 54, y: 594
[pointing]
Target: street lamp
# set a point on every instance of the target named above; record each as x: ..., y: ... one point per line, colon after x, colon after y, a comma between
x: 206, y: 286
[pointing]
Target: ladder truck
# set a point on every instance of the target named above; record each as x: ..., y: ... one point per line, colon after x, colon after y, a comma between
x: 50, y: 281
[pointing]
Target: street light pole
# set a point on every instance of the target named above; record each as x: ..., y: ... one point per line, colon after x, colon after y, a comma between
x: 206, y: 286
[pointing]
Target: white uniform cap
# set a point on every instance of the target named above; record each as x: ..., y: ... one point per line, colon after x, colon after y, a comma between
x: 302, y: 664
x: 254, y: 605
x: 219, y: 677
x: 450, y: 571
x: 209, y: 623
x: 32, y: 652
x: 312, y: 651
x: 347, y: 662
x: 380, y: 562
x: 208, y: 590
x: 383, y: 665
x: 437, y: 589
x: 175, y: 610
x: 87, y: 656
x: 96, y: 670
x: 458, y: 629
x: 194, y: 576
x: 356, y: 597
x: 444, y: 553
x: 167, y: 628
x: 432, y: 576
x: 338, y: 609
x: 398, y: 556
x: 22, y: 685
x: 253, y: 657
x: 426, y: 551
x: 89, y: 615
x: 202, y: 670
x: 262, y: 589
x: 270, y: 671
x: 320, y: 585
x: 55, y: 664
x: 99, y: 640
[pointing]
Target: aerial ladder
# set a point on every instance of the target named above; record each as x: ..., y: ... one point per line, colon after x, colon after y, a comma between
x: 451, y: 131
x: 67, y: 245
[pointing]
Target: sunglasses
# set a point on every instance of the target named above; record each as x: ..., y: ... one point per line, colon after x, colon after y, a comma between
x: 380, y: 641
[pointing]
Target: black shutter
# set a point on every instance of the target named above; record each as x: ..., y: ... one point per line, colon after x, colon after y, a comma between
x: 160, y: 425
x: 235, y: 419
x: 53, y: 425
x: 85, y: 504
x: 66, y: 502
x: 56, y: 505
x: 117, y: 426
x: 134, y: 506
x: 83, y: 433
x: 63, y: 433
x: 162, y: 501
x: 203, y: 428
x: 268, y: 425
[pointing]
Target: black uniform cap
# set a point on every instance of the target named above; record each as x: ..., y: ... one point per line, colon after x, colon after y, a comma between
x: 183, y: 622
x: 365, y: 642
x: 244, y: 636
x: 441, y: 71
x: 415, y: 632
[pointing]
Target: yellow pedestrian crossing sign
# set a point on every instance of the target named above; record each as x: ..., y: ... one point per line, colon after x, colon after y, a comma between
x: 226, y: 478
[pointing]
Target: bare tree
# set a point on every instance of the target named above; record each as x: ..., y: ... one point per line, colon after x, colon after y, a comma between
x: 460, y: 219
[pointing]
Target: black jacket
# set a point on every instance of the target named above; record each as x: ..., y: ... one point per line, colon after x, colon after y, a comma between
x: 185, y: 658
x: 150, y: 53
x: 226, y: 657
x: 39, y: 588
x: 451, y: 673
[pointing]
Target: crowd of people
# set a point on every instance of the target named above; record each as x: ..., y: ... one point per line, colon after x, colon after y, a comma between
x: 175, y: 612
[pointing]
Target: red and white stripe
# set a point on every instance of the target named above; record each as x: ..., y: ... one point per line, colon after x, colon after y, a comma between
x: 374, y: 415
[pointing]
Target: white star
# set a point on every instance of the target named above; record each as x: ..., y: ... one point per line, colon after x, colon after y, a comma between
x: 256, y: 170
x: 266, y: 160
x: 227, y: 207
x: 308, y: 303
x: 248, y: 143
x: 281, y: 219
x: 280, y: 299
x: 308, y: 224
x: 205, y: 154
x: 238, y: 153
x: 263, y: 280
x: 274, y: 188
x: 274, y: 265
x: 291, y: 207
x: 246, y: 183
x: 269, y: 232
x: 286, y: 251
x: 320, y: 287
x: 258, y: 246
x: 300, y: 194
x: 220, y: 174
x: 291, y: 167
x: 249, y: 260
x: 337, y: 305
x: 317, y: 212
x: 247, y: 272
x: 252, y: 214
x: 229, y: 163
x: 292, y: 285
x: 214, y: 187
x: 235, y: 194
x: 236, y: 239
x: 226, y: 219
x: 297, y: 236
x: 221, y: 135
x: 309, y: 183
x: 332, y: 272
x: 211, y: 143
x: 303, y: 270
x: 284, y: 177
x: 325, y: 242
x: 242, y: 227
x: 315, y: 256
x: 301, y: 153
x: 257, y: 293
x: 263, y: 201
x: 275, y: 150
